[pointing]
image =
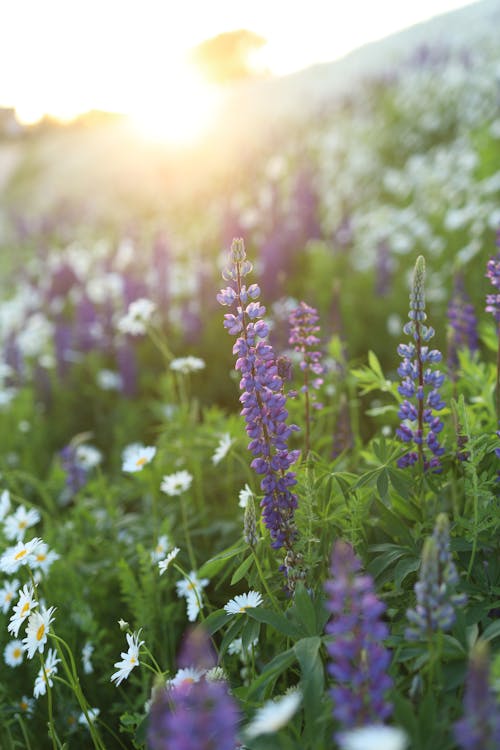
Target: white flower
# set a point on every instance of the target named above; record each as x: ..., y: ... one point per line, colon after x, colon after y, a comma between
x: 161, y: 548
x: 376, y: 737
x: 92, y: 713
x: 4, y: 504
x: 163, y: 564
x: 87, y: 652
x: 15, y: 525
x: 215, y: 674
x: 136, y: 456
x: 130, y: 658
x: 7, y: 594
x: 241, y: 602
x: 43, y: 558
x: 109, y: 380
x: 37, y: 630
x: 22, y: 609
x: 185, y: 676
x: 274, y: 714
x: 222, y: 449
x: 177, y: 483
x: 187, y: 364
x: 50, y: 664
x: 26, y: 705
x: 21, y: 554
x: 87, y: 456
x: 192, y: 589
x: 139, y: 314
x: 13, y: 653
x: 245, y: 495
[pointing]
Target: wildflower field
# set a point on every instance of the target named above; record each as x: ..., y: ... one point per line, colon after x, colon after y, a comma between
x: 249, y: 436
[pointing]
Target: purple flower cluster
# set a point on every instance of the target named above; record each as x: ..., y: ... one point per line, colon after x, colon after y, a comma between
x: 479, y: 729
x: 420, y: 383
x: 359, y: 660
x: 436, y: 600
x: 194, y: 715
x: 263, y: 400
x: 463, y: 325
x: 493, y: 274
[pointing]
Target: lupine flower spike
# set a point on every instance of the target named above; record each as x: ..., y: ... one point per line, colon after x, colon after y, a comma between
x: 493, y: 306
x: 195, y: 713
x: 420, y: 384
x: 479, y: 729
x: 435, y: 589
x: 358, y: 659
x: 303, y: 329
x: 263, y: 406
x: 462, y: 332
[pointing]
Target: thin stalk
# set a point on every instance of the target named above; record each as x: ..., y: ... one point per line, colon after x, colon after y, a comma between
x: 271, y: 596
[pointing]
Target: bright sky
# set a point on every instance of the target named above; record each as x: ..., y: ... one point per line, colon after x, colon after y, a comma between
x: 64, y: 57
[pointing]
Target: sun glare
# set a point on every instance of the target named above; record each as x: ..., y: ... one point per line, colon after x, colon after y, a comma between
x: 180, y: 113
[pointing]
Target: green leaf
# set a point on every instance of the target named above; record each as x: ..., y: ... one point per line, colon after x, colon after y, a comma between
x: 403, y: 569
x: 242, y: 570
x: 383, y: 484
x: 271, y: 673
x: 312, y: 681
x: 215, y: 621
x: 250, y: 633
x: 492, y: 631
x: 215, y: 564
x: 278, y: 621
x: 304, y: 610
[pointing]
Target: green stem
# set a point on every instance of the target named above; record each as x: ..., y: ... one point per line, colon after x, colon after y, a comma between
x: 264, y: 582
x: 187, y: 536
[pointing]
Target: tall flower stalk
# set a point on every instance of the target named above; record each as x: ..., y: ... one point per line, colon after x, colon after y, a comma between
x: 493, y: 306
x: 303, y: 329
x: 420, y: 384
x: 479, y: 729
x: 358, y: 659
x: 264, y: 406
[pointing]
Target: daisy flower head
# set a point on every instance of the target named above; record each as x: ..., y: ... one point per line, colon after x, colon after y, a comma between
x: 130, y: 659
x: 87, y: 651
x: 15, y: 525
x: 43, y: 558
x: 161, y: 548
x: 242, y: 602
x: 37, y: 631
x: 163, y: 564
x: 274, y: 714
x: 46, y: 673
x: 22, y: 609
x: 21, y: 554
x: 377, y: 737
x: 13, y: 653
x: 4, y: 504
x: 186, y: 365
x: 139, y: 314
x: 136, y: 456
x: 177, y: 483
x: 7, y: 594
x: 222, y: 449
x: 87, y: 456
x: 244, y: 496
x: 191, y: 588
x: 25, y: 706
x: 185, y: 677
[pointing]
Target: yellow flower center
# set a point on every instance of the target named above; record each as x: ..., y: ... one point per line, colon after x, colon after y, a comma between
x: 133, y: 660
x: 23, y: 705
x: 41, y: 557
x: 243, y: 608
x: 25, y: 609
x: 20, y: 554
x: 23, y: 524
x: 141, y: 461
x: 187, y: 681
x: 17, y: 653
x: 40, y: 632
x: 8, y: 596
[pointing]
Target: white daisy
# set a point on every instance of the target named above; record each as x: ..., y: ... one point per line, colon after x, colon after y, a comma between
x: 163, y: 564
x: 50, y: 663
x: 13, y: 653
x: 25, y: 706
x: 22, y: 609
x: 87, y: 456
x: 138, y: 315
x: 43, y: 558
x: 161, y: 548
x: 241, y: 602
x: 187, y: 364
x: 7, y: 594
x: 20, y: 554
x: 37, y: 630
x: 244, y: 496
x: 87, y: 651
x: 136, y: 456
x: 15, y: 525
x: 376, y: 737
x: 222, y: 449
x: 185, y: 676
x: 109, y: 380
x: 130, y: 658
x: 177, y: 483
x: 92, y: 713
x: 274, y: 714
x: 4, y: 504
x: 192, y: 589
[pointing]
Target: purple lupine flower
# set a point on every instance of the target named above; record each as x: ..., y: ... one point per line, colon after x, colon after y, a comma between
x: 479, y: 729
x: 358, y: 659
x: 462, y: 325
x: 436, y: 599
x: 264, y: 403
x: 198, y: 715
x: 303, y: 329
x: 76, y: 472
x: 420, y: 384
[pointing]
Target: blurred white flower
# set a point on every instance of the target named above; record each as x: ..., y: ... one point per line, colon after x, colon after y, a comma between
x: 274, y: 714
x: 161, y: 548
x: 4, y: 504
x: 191, y: 588
x: 22, y: 608
x: 7, y: 593
x: 373, y: 738
x: 13, y: 653
x: 87, y: 651
x: 87, y: 456
x: 177, y: 483
x: 50, y: 663
x: 222, y: 449
x: 130, y: 658
x: 37, y: 630
x: 245, y: 495
x: 138, y: 316
x: 187, y: 364
x: 241, y: 602
x: 109, y: 380
x: 15, y: 525
x: 185, y: 676
x: 92, y: 713
x: 164, y: 564
x: 136, y: 456
x: 21, y: 554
